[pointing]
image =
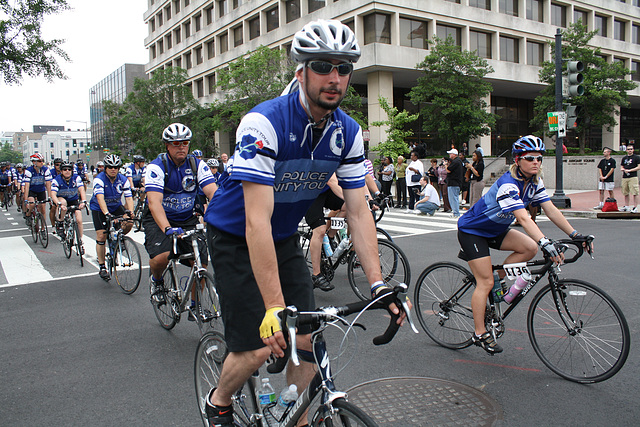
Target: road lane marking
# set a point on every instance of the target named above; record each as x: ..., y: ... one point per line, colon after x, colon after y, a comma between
x: 19, y: 262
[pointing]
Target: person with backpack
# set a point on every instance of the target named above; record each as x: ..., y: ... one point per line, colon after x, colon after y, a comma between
x: 171, y: 184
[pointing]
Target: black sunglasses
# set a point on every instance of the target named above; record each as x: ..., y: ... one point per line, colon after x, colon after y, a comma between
x: 66, y: 169
x: 324, y: 67
x: 111, y: 167
x: 532, y: 158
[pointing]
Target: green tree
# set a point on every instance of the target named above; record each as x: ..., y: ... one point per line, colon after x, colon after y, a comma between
x: 247, y: 82
x: 353, y: 105
x: 22, y: 49
x: 150, y: 107
x: 451, y: 93
x: 605, y: 86
x: 7, y: 154
x: 397, y: 132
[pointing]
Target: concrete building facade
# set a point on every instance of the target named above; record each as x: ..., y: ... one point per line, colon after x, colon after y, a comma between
x: 67, y: 145
x: 203, y: 36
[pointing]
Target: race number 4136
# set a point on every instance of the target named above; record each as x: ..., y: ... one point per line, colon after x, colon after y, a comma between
x: 517, y: 269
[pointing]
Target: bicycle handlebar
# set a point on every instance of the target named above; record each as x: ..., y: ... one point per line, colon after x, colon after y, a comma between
x: 579, y: 244
x: 291, y: 319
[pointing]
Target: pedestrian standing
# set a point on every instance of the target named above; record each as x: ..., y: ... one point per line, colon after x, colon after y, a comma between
x: 401, y: 183
x: 442, y: 184
x: 415, y: 170
x: 606, y: 168
x: 629, y: 166
x: 476, y: 178
x: 455, y: 175
x: 386, y: 175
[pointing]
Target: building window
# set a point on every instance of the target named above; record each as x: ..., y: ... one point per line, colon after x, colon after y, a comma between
x: 152, y: 25
x: 35, y: 144
x: 199, y: 88
x: 187, y: 61
x: 509, y: 7
x: 600, y: 24
x: 176, y: 35
x: 223, y: 7
x: 272, y: 19
x: 237, y: 36
x: 315, y: 5
x: 211, y: 83
x: 186, y: 3
x: 160, y: 47
x: 152, y: 52
x: 377, y: 28
x: 187, y: 29
x: 480, y: 43
x: 413, y: 33
x: 224, y: 43
x: 619, y: 28
x: 482, y: 4
x: 558, y: 15
x: 292, y: 10
x: 211, y: 48
x: 197, y: 22
x: 509, y: 49
x: 238, y: 3
x: 176, y: 6
x: 635, y: 71
x: 167, y: 12
x: 445, y: 31
x: 160, y: 20
x: 453, y: 1
x: 580, y: 15
x: 351, y: 24
x: 208, y: 15
x: 167, y: 40
x: 535, y: 53
x: 178, y: 62
x: 254, y: 28
x: 534, y: 10
x: 51, y: 144
x: 635, y: 34
x: 198, y: 52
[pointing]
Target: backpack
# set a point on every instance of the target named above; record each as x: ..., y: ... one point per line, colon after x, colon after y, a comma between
x: 610, y: 205
x: 194, y: 168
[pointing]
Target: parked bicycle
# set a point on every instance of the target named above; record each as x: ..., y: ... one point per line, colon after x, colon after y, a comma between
x: 334, y: 407
x: 122, y: 257
x: 37, y: 224
x: 393, y: 262
x: 177, y: 293
x: 71, y: 235
x: 575, y: 328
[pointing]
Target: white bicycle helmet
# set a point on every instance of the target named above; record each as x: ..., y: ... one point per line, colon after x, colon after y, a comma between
x: 213, y: 163
x: 112, y: 160
x: 325, y: 40
x: 176, y: 132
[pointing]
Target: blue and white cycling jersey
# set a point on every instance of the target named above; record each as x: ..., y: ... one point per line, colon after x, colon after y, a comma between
x: 135, y: 174
x: 14, y: 174
x: 67, y: 190
x: 112, y: 191
x: 179, y: 194
x: 493, y: 213
x: 36, y: 180
x: 275, y: 148
x: 5, y: 176
x: 54, y: 173
x: 80, y: 171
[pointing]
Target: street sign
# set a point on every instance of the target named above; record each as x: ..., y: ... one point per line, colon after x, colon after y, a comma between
x: 562, y: 124
x: 105, y: 151
x: 557, y: 122
x: 553, y: 121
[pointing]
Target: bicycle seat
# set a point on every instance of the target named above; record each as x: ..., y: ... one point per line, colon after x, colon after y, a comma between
x: 463, y: 255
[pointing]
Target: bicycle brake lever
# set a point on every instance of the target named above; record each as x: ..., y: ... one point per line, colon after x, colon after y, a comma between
x: 291, y: 328
x: 402, y: 296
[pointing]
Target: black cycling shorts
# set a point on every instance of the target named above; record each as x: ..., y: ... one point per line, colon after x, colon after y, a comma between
x: 100, y: 220
x: 156, y: 242
x: 40, y: 196
x: 315, y: 213
x: 75, y: 202
x: 477, y: 246
x: 241, y: 303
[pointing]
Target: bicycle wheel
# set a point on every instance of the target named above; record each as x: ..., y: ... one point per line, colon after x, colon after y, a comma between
x: 79, y: 246
x: 344, y: 414
x: 165, y: 306
x: 127, y: 265
x: 209, y: 317
x: 394, y: 266
x: 44, y: 233
x: 442, y: 301
x: 67, y: 242
x: 35, y: 224
x: 594, y: 345
x: 305, y: 240
x: 382, y: 234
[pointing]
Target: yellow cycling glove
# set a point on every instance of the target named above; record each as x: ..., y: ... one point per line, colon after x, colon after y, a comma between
x: 271, y: 322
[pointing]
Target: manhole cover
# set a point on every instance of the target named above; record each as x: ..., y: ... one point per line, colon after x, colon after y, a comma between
x: 419, y: 401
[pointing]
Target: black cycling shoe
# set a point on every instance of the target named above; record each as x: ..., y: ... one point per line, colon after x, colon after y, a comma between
x: 487, y: 343
x: 104, y: 274
x: 157, y: 290
x: 218, y: 416
x: 321, y: 283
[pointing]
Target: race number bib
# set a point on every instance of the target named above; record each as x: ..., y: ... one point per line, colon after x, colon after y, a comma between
x: 517, y: 269
x: 337, y: 223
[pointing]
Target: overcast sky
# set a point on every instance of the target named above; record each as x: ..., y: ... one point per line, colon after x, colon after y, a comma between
x: 100, y: 37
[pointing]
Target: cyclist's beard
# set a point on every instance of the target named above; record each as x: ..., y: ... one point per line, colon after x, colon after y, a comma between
x: 329, y: 105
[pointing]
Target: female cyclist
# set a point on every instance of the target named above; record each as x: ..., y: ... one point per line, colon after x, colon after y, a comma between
x: 486, y: 225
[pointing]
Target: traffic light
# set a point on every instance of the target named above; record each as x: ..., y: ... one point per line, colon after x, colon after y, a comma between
x: 573, y: 121
x: 574, y: 70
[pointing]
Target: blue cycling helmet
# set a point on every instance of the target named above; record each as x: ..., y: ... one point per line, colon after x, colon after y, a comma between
x: 526, y: 144
x: 197, y: 153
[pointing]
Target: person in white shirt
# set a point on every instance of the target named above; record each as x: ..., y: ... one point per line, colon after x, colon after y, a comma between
x: 429, y: 200
x: 415, y: 169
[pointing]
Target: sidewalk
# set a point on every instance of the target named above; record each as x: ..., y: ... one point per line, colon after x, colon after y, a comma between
x: 582, y: 203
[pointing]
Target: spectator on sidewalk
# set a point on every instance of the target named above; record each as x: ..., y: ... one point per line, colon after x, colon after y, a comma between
x: 455, y: 177
x: 415, y: 168
x: 401, y: 183
x: 442, y: 184
x: 630, y: 164
x: 477, y: 177
x: 479, y: 148
x: 386, y: 175
x: 606, y: 167
x: 429, y: 201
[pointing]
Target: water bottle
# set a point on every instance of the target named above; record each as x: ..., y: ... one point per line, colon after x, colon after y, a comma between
x: 497, y: 291
x: 344, y: 244
x: 326, y: 246
x: 266, y: 397
x: 515, y: 289
x: 287, y: 398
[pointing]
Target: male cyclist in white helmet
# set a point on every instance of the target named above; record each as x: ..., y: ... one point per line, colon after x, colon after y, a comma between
x: 287, y: 149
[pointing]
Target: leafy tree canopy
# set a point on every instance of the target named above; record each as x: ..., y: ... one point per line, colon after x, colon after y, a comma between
x: 451, y: 93
x: 150, y: 107
x: 396, y: 122
x: 7, y: 154
x: 22, y: 49
x: 605, y: 86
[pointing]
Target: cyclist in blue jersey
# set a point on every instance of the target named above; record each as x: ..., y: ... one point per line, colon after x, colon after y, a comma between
x: 201, y: 199
x: 82, y: 171
x: 67, y: 189
x: 55, y: 171
x: 135, y: 174
x: 286, y: 151
x: 172, y: 180
x: 18, y: 184
x: 37, y: 179
x: 6, y: 180
x: 214, y: 164
x: 108, y: 188
x: 486, y: 225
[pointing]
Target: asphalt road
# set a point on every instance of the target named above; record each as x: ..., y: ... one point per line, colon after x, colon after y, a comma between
x: 77, y: 351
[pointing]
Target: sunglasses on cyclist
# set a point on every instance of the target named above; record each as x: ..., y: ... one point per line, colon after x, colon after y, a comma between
x: 111, y: 167
x: 532, y: 158
x: 179, y: 143
x: 324, y: 67
x: 66, y: 169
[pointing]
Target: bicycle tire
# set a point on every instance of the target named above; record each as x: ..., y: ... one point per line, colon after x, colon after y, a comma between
x: 442, y: 301
x: 595, y: 349
x: 34, y: 227
x: 380, y: 232
x: 43, y: 231
x: 208, y: 316
x: 67, y: 242
x: 166, y: 309
x: 394, y: 266
x: 378, y: 213
x: 78, y: 239
x: 344, y: 413
x: 127, y: 265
